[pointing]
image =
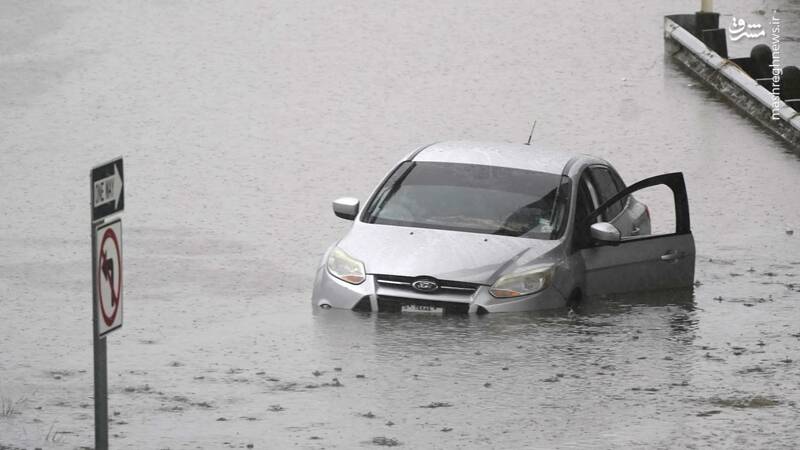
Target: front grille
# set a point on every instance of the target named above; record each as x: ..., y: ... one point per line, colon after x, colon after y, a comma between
x: 445, y: 286
x: 363, y: 305
x: 395, y: 304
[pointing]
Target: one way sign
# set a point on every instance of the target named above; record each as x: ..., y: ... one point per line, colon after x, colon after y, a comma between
x: 108, y: 190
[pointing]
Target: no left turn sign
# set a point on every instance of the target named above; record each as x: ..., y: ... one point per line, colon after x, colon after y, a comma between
x: 108, y: 276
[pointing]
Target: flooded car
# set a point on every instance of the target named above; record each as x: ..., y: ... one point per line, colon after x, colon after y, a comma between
x: 466, y: 227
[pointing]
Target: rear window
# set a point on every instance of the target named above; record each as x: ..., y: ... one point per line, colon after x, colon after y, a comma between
x: 473, y: 198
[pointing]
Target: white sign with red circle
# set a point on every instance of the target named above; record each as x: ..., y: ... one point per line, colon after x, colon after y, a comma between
x: 108, y: 276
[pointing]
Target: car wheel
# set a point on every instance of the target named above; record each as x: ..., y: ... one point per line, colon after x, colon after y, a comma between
x: 574, y: 299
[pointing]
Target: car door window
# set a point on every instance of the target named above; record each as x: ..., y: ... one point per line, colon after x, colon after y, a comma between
x: 674, y: 207
x: 607, y: 187
x: 620, y: 186
x: 583, y: 206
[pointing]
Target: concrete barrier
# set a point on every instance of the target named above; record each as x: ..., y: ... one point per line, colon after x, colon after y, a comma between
x: 729, y: 79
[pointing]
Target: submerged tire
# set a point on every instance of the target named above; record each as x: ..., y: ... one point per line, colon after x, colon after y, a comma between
x: 574, y: 299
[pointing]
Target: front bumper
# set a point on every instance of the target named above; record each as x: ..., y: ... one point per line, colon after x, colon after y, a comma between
x: 376, y: 294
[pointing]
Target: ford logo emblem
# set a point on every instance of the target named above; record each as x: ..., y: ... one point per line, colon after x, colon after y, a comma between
x: 425, y: 285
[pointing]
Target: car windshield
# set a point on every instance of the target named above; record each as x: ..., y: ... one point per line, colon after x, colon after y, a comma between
x: 473, y: 198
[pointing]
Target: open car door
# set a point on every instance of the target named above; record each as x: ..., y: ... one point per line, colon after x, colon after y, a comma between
x: 617, y: 264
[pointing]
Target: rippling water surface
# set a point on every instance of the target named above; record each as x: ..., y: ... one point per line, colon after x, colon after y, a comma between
x: 239, y: 122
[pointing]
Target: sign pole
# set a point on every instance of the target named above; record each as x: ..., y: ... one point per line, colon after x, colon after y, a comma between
x: 100, y: 372
x: 107, y: 198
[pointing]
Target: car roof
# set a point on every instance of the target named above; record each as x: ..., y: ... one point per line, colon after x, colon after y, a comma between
x: 518, y: 156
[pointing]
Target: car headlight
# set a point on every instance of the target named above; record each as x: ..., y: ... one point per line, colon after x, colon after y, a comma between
x: 523, y: 283
x: 345, y: 267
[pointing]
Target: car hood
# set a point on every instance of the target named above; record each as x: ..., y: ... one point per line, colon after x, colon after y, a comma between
x: 442, y: 254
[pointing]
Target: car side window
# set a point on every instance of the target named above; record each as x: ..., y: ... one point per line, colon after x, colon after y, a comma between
x: 664, y: 194
x: 607, y: 187
x: 583, y: 206
x: 620, y: 186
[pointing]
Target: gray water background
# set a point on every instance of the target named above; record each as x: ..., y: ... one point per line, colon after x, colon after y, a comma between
x: 240, y: 121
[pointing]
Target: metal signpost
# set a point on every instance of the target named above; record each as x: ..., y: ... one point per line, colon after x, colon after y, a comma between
x: 107, y: 198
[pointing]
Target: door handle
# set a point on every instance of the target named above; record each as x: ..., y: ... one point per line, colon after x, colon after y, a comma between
x: 635, y: 231
x: 670, y: 256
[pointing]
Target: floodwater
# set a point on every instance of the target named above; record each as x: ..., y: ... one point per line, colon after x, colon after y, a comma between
x: 240, y: 121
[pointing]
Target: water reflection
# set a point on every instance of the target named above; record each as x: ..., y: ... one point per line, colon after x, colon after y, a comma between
x: 612, y: 354
x: 670, y: 310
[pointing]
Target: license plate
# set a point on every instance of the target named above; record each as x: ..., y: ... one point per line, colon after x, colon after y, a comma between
x: 422, y: 309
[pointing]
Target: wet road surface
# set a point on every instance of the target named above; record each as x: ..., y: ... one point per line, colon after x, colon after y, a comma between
x: 240, y: 123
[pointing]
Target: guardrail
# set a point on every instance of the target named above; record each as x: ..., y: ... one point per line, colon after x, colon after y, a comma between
x: 727, y: 77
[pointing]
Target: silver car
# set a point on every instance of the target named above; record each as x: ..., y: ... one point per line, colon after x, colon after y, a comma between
x: 466, y: 227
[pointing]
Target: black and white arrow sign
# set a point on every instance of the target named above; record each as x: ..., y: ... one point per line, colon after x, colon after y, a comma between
x: 108, y: 189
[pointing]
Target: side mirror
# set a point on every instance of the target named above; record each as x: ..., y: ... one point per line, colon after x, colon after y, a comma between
x: 346, y: 207
x: 605, y: 232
